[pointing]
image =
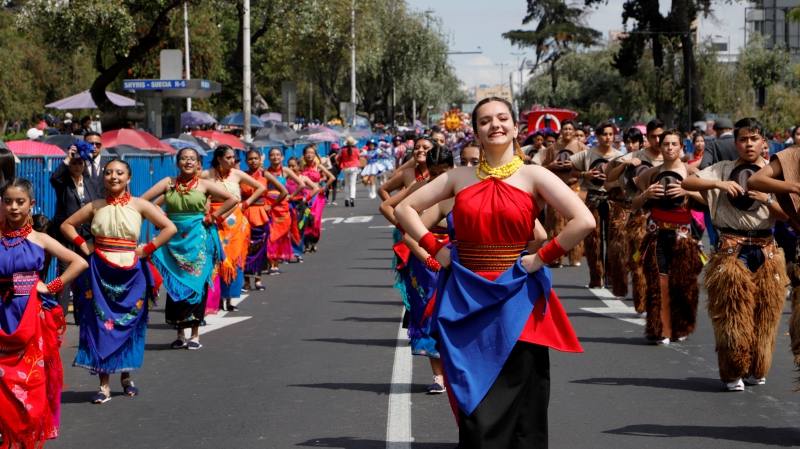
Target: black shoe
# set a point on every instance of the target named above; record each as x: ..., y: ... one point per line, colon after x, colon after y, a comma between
x: 353, y: 203
x: 346, y: 203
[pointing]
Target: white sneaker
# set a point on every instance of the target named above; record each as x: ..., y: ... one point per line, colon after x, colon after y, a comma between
x: 683, y: 338
x: 750, y: 380
x: 663, y: 342
x: 736, y: 385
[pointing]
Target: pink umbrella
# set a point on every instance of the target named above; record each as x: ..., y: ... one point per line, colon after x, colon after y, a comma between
x: 33, y: 148
x: 135, y: 138
x: 221, y: 138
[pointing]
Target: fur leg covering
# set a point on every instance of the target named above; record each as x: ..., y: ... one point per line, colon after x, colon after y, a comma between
x: 617, y: 259
x: 683, y: 289
x: 770, y: 282
x: 730, y: 306
x: 652, y: 303
x: 794, y: 321
x: 594, y: 251
x: 636, y: 262
x: 576, y: 253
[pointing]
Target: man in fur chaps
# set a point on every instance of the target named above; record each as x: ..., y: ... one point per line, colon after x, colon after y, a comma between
x: 746, y: 276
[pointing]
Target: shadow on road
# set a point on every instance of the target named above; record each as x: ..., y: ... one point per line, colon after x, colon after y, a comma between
x: 771, y: 436
x: 387, y: 342
x: 77, y: 397
x: 358, y: 443
x: 699, y: 384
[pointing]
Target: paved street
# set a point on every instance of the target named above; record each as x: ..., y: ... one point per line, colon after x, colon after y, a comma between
x: 313, y: 367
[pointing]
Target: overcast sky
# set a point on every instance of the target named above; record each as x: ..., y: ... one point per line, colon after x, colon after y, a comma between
x: 470, y: 24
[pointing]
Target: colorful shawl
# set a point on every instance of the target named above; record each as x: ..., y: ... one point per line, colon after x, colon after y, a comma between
x: 234, y: 235
x: 187, y: 260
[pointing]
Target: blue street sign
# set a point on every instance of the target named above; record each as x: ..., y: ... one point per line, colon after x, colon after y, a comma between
x: 154, y: 84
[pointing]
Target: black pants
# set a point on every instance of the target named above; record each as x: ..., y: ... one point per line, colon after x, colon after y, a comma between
x: 513, y: 414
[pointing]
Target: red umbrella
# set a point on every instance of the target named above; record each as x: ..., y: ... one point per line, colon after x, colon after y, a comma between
x: 135, y: 138
x: 33, y: 148
x: 221, y: 138
x: 542, y: 118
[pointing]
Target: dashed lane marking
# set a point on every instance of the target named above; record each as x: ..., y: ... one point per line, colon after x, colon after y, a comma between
x: 220, y: 319
x: 614, y: 307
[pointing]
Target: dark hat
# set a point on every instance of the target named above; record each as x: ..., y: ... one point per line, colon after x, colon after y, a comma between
x: 665, y: 178
x: 740, y: 175
x: 598, y: 164
x: 632, y: 172
x: 723, y: 123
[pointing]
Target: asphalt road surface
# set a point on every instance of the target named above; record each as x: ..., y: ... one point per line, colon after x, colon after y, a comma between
x: 315, y: 361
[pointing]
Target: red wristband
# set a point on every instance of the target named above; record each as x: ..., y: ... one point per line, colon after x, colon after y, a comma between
x: 429, y: 243
x: 433, y: 264
x: 149, y: 248
x: 78, y: 241
x: 551, y: 251
x: 55, y: 286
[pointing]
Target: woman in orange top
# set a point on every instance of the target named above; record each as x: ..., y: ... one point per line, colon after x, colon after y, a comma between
x: 258, y: 215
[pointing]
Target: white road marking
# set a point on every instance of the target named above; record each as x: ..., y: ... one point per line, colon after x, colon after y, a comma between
x: 355, y: 219
x: 382, y: 227
x: 398, y: 421
x: 614, y: 307
x: 219, y: 320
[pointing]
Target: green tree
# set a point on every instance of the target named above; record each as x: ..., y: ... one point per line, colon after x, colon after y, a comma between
x: 119, y: 33
x: 764, y: 66
x: 559, y: 30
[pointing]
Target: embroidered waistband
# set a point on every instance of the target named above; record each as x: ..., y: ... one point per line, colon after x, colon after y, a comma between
x: 481, y: 257
x: 22, y: 282
x: 114, y: 245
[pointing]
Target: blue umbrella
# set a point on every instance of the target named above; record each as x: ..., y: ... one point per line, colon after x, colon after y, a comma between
x: 237, y: 119
x: 178, y: 144
x: 196, y: 118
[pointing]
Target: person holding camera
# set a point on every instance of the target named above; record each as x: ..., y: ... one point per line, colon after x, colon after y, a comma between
x: 74, y: 188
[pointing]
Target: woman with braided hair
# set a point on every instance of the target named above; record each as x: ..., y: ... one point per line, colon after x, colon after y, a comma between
x: 31, y: 322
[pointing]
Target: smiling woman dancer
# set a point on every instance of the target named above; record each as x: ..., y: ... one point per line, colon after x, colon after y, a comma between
x: 279, y: 244
x: 258, y: 215
x: 496, y: 358
x: 119, y: 283
x: 31, y: 322
x: 234, y: 231
x: 187, y: 261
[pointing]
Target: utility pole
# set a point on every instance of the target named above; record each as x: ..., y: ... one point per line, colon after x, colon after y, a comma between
x: 186, y: 49
x: 353, y: 62
x: 246, y: 70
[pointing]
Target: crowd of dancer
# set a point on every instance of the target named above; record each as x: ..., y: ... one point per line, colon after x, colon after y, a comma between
x: 473, y: 259
x: 219, y: 231
x: 480, y: 221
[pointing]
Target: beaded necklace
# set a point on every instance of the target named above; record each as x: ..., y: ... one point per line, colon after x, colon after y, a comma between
x: 184, y: 187
x: 484, y: 170
x: 419, y: 176
x: 119, y: 200
x: 21, y: 234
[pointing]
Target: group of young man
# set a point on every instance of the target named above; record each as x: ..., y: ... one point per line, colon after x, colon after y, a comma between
x: 649, y: 207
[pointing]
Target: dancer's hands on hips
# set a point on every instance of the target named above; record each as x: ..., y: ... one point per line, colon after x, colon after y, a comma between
x: 531, y: 263
x: 443, y: 257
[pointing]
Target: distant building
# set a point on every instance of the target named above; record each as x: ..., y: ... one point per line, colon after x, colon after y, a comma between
x: 768, y: 18
x: 499, y: 90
